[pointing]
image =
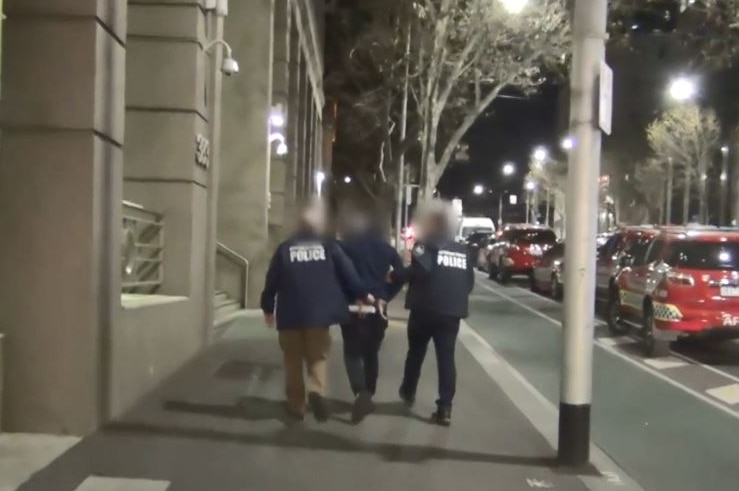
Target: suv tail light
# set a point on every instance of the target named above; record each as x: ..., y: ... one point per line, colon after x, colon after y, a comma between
x: 677, y: 278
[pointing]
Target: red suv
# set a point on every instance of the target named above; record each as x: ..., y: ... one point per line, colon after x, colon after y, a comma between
x: 609, y: 255
x: 683, y: 282
x: 517, y: 249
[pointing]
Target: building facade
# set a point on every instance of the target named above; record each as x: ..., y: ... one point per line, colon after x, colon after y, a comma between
x: 142, y: 187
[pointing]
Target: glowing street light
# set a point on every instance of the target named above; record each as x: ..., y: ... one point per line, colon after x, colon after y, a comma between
x: 514, y: 6
x: 540, y: 154
x: 478, y: 189
x: 347, y: 180
x: 509, y: 169
x: 682, y: 89
x: 568, y: 144
x: 530, y: 185
x: 277, y: 116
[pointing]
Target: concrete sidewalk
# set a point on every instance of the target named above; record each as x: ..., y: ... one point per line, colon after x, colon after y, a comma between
x: 218, y: 424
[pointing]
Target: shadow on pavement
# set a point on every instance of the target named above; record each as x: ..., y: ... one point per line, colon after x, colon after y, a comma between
x: 262, y: 409
x: 302, y: 437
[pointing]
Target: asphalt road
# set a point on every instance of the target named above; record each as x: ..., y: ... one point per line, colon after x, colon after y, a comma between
x: 671, y: 423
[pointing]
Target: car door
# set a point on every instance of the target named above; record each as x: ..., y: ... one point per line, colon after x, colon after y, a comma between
x: 633, y: 277
x: 606, y: 263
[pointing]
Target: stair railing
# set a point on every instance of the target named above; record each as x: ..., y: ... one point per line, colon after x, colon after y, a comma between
x: 242, y: 263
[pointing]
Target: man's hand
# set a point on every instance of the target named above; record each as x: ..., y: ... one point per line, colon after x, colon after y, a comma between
x: 269, y: 320
x: 369, y: 299
x: 381, y: 306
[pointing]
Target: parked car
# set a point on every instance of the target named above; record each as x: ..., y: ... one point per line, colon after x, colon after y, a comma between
x: 516, y: 249
x: 476, y: 242
x: 681, y: 282
x: 548, y: 273
x: 471, y: 225
x: 607, y: 263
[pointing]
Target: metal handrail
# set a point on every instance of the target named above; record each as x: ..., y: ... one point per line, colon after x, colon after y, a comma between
x: 142, y: 250
x: 239, y: 260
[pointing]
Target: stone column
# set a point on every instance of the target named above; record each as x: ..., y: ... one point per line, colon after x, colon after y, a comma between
x: 302, y: 138
x: 279, y: 165
x: 293, y: 120
x: 245, y: 151
x: 60, y: 209
x: 308, y: 156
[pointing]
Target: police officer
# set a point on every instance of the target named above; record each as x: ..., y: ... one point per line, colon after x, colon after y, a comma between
x: 441, y: 278
x: 308, y: 287
x: 373, y: 258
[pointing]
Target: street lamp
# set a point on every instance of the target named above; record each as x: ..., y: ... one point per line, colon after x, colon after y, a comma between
x: 514, y: 6
x: 530, y: 187
x: 509, y: 169
x: 682, y: 89
x: 478, y: 189
x: 347, y: 180
x: 540, y: 154
x: 567, y: 144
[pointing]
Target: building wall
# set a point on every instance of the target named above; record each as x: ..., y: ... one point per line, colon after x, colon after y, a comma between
x: 140, y: 69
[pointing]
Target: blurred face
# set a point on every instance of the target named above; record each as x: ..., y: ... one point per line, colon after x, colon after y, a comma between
x: 312, y: 218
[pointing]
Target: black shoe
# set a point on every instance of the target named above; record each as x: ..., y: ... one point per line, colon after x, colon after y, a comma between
x: 363, y: 406
x: 318, y: 406
x: 442, y: 417
x: 408, y: 399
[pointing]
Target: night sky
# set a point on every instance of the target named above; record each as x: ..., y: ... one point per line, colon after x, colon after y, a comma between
x: 510, y: 130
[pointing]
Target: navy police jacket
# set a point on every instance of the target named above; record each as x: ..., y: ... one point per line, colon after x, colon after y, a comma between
x: 441, y: 278
x: 310, y: 283
x: 373, y: 258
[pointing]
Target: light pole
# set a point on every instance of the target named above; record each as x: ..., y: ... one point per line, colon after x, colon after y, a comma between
x: 682, y: 89
x: 724, y: 184
x: 589, y: 33
x: 508, y: 170
x: 530, y: 188
x: 541, y: 156
x: 320, y: 178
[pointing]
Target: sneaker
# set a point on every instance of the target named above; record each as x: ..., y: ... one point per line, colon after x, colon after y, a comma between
x: 407, y: 398
x: 318, y: 406
x: 363, y: 406
x: 442, y: 417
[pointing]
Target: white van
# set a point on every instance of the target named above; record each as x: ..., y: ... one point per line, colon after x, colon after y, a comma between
x: 470, y: 225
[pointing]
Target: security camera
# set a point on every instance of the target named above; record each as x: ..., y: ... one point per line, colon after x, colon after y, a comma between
x: 230, y: 66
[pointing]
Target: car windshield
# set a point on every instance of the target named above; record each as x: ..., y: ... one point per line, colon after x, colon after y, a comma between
x: 532, y: 236
x: 467, y: 232
x: 704, y: 255
x: 478, y: 236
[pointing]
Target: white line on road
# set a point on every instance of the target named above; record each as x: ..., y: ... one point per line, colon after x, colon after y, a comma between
x: 665, y: 363
x: 728, y: 393
x: 612, y: 350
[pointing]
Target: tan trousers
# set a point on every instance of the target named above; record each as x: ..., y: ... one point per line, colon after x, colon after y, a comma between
x: 310, y: 346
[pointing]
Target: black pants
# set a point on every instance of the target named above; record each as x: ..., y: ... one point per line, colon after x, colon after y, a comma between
x: 362, y: 340
x: 443, y: 330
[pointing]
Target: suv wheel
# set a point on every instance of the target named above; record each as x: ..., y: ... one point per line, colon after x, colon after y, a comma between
x: 613, y: 314
x: 557, y: 290
x: 652, y: 347
x: 503, y: 275
x: 492, y: 271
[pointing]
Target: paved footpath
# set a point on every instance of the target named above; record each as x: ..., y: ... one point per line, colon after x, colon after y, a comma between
x: 218, y: 424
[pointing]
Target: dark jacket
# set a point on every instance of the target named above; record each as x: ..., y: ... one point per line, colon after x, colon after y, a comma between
x: 310, y: 283
x: 440, y: 277
x: 373, y: 257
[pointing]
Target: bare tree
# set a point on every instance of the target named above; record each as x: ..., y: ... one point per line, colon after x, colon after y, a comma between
x: 465, y: 53
x: 690, y: 136
x: 650, y: 181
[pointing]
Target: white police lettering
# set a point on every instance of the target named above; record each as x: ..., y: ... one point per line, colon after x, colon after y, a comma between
x: 307, y: 253
x: 451, y: 259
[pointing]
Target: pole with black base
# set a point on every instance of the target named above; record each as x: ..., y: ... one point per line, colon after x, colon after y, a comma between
x: 581, y: 209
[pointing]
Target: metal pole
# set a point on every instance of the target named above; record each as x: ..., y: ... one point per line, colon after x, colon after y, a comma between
x: 668, y: 197
x: 500, y: 211
x: 211, y: 240
x: 546, y: 214
x: 403, y: 130
x: 724, y: 184
x: 528, y: 206
x: 589, y: 31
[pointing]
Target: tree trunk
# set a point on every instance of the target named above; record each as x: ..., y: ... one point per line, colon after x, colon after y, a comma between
x: 686, y: 198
